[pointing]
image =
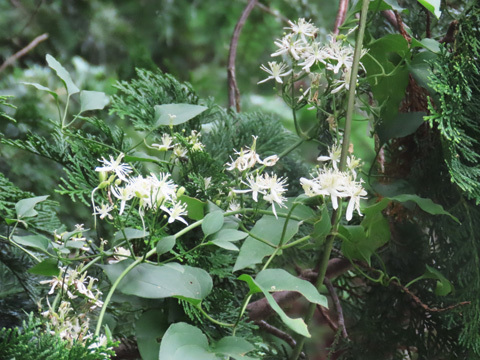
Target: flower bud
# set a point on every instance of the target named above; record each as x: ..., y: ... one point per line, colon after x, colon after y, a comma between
x: 118, y: 182
x: 102, y: 176
x: 180, y: 191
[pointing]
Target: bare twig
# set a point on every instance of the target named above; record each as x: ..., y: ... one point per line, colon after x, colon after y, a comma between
x: 338, y: 306
x: 327, y: 318
x: 450, y: 36
x: 390, y: 16
x: 342, y: 11
x: 400, y: 27
x: 278, y: 333
x: 233, y: 92
x: 273, y: 12
x: 419, y: 302
x: 24, y: 51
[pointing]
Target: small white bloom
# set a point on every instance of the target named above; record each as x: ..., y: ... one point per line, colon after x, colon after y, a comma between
x: 194, y: 140
x: 271, y: 160
x: 121, y: 170
x: 104, y: 211
x: 313, y: 55
x: 303, y: 28
x: 176, y: 212
x: 123, y: 194
x: 179, y: 151
x: 166, y: 143
x: 355, y: 191
x: 334, y: 155
x: 288, y: 45
x: 276, y: 71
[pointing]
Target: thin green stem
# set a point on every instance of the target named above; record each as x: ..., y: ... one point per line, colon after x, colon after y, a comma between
x: 325, y: 257
x: 199, y: 307
x: 296, y: 242
x: 65, y: 111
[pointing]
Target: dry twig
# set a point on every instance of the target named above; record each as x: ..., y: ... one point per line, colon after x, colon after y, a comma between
x: 233, y: 92
x: 342, y: 11
x: 24, y: 51
x: 338, y: 306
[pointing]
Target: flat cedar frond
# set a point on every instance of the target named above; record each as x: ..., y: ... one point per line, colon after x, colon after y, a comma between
x: 455, y: 80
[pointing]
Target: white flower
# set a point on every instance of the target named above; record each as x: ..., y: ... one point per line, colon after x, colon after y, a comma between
x: 303, y: 28
x: 334, y: 155
x: 166, y: 143
x: 121, y: 170
x: 119, y: 254
x: 270, y: 187
x: 313, y: 55
x: 355, y: 191
x: 194, y: 140
x: 123, y: 194
x: 246, y: 158
x: 288, y: 45
x: 179, y: 151
x: 271, y: 160
x: 176, y: 212
x: 276, y: 71
x: 104, y: 211
x: 256, y: 185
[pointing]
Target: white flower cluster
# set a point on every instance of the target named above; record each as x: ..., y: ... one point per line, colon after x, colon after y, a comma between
x: 304, y: 52
x: 269, y: 186
x: 152, y: 192
x: 68, y: 326
x: 75, y: 281
x: 178, y: 150
x: 330, y: 181
x: 247, y: 159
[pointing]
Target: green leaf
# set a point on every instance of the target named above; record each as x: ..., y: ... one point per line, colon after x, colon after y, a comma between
x: 426, y: 205
x: 212, y: 222
x: 224, y: 238
x: 34, y: 241
x: 157, y: 282
x: 427, y: 43
x: 92, y: 100
x: 275, y: 280
x: 42, y: 88
x: 235, y: 347
x: 433, y: 6
x: 183, y: 341
x: 130, y: 233
x: 356, y: 247
x: 150, y: 327
x: 48, y: 267
x: 402, y: 125
x: 322, y: 227
x: 25, y: 207
x: 195, y: 207
x: 444, y: 287
x: 63, y: 75
x: 176, y: 114
x: 297, y: 325
x: 165, y: 244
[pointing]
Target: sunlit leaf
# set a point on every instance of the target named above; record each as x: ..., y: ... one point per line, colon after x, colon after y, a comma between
x: 63, y: 75
x: 176, y: 114
x: 25, y: 207
x: 92, y: 100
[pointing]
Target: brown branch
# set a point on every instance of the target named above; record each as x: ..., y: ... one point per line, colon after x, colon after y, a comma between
x: 452, y: 30
x: 419, y: 302
x: 278, y: 333
x: 390, y: 16
x: 233, y: 92
x: 24, y: 51
x: 327, y: 318
x: 400, y: 26
x: 338, y: 306
x: 273, y: 12
x: 342, y: 11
